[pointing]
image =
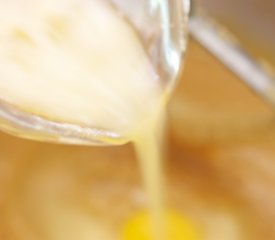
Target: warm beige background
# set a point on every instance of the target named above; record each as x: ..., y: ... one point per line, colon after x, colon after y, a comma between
x: 211, y: 105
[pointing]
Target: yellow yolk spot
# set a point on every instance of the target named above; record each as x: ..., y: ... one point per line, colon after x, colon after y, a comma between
x: 177, y: 228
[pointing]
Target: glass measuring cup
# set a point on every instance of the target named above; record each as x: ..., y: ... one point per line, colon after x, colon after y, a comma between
x: 162, y: 25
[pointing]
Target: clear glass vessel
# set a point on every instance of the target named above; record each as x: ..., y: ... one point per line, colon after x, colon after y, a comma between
x: 162, y: 26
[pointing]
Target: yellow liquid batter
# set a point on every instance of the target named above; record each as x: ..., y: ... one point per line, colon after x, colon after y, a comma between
x: 81, y: 62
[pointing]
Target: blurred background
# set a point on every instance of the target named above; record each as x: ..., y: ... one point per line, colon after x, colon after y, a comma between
x: 216, y: 116
x: 216, y: 99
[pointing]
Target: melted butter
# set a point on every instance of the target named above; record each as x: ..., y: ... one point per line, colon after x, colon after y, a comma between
x: 78, y: 62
